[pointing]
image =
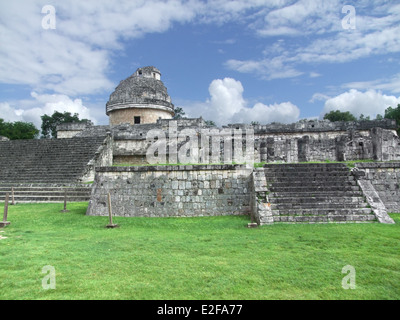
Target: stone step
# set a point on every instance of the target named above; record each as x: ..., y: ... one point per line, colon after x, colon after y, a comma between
x: 323, y: 211
x: 327, y: 194
x: 314, y: 167
x: 326, y: 219
x: 311, y: 183
x: 297, y: 189
x: 19, y: 175
x: 315, y: 193
x: 320, y: 205
x: 308, y: 177
x: 33, y: 177
x: 44, y: 189
x: 316, y: 173
x: 44, y: 180
x: 47, y: 160
x: 317, y: 198
x: 43, y: 185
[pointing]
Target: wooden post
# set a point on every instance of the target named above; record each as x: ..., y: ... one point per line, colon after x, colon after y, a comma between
x: 12, y: 196
x: 65, y: 201
x: 5, y: 222
x: 109, y: 208
x: 111, y: 224
x: 5, y: 208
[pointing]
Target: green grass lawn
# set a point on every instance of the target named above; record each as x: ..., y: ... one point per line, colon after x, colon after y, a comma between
x: 192, y: 258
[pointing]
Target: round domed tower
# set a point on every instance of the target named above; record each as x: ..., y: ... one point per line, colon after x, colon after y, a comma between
x: 141, y: 98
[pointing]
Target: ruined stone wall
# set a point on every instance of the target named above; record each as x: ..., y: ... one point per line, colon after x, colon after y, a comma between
x: 131, y: 145
x: 386, y: 145
x: 172, y: 191
x: 102, y: 157
x: 375, y: 144
x: 380, y: 144
x: 324, y: 140
x: 385, y: 177
x: 299, y: 142
x: 70, y: 130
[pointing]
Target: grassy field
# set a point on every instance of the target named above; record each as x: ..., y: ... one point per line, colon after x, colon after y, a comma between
x: 192, y: 258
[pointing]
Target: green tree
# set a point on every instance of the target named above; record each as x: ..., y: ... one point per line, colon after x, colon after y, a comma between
x: 50, y: 123
x: 338, y: 115
x: 179, y: 113
x: 394, y: 114
x: 364, y: 118
x: 18, y: 130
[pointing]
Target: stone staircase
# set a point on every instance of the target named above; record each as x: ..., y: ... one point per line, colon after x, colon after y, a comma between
x: 315, y: 193
x: 42, y: 170
x: 46, y: 160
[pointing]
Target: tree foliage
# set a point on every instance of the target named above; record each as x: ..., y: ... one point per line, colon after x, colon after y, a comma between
x: 50, y: 123
x: 179, y: 113
x: 210, y: 123
x: 394, y: 114
x: 18, y: 130
x: 338, y: 115
x: 364, y: 118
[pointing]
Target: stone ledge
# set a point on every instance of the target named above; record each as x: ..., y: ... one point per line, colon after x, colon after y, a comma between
x: 324, y: 126
x: 377, y: 165
x: 194, y: 167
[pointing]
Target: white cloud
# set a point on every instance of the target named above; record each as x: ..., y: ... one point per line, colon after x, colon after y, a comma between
x: 314, y: 74
x: 369, y: 103
x: 319, y: 97
x: 227, y: 105
x: 301, y: 17
x: 8, y: 113
x: 74, y: 58
x: 285, y: 112
x: 32, y: 110
x: 277, y: 67
x: 392, y: 84
x: 318, y: 25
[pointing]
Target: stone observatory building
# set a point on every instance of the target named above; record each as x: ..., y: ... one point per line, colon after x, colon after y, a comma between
x: 142, y: 98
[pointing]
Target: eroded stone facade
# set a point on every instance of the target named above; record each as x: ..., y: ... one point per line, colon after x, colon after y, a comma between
x: 172, y: 191
x: 298, y: 142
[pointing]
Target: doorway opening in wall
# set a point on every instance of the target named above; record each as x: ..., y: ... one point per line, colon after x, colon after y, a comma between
x: 136, y: 120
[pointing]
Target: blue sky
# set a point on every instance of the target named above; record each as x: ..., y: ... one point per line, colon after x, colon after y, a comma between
x: 228, y: 61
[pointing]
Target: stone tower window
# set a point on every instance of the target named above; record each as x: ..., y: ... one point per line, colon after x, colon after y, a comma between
x: 137, y: 120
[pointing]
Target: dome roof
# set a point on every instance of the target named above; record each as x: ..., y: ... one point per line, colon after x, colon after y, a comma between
x: 141, y: 89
